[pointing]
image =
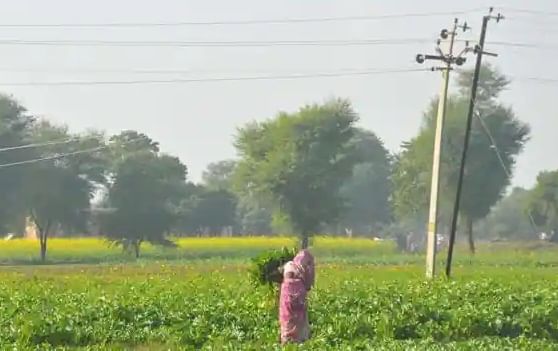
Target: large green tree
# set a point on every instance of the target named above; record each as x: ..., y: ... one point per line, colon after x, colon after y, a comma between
x: 485, y: 179
x: 14, y: 131
x: 57, y: 192
x: 219, y: 175
x: 367, y: 191
x: 300, y: 161
x: 145, y: 194
x: 207, y: 210
x: 542, y: 204
x: 214, y: 211
x: 254, y: 217
x: 508, y: 218
x: 253, y: 213
x: 130, y: 142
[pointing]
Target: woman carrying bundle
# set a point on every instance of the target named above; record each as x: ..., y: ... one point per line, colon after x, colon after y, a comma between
x: 298, y: 279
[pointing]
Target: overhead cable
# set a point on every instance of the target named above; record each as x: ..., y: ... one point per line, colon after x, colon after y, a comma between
x: 231, y: 43
x: 214, y: 79
x: 241, y: 22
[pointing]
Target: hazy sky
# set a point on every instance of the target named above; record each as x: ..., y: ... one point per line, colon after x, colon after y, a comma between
x: 197, y: 121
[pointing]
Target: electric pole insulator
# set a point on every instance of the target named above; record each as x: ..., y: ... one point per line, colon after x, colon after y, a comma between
x: 420, y: 58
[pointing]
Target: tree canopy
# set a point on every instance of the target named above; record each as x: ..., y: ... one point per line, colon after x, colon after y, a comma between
x: 14, y: 131
x: 508, y: 219
x: 542, y: 203
x: 308, y: 171
x: 367, y: 191
x: 57, y: 192
x: 219, y: 175
x: 300, y: 160
x: 144, y: 195
x: 486, y: 177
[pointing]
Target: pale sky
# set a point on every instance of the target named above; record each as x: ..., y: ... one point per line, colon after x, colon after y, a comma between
x: 197, y: 121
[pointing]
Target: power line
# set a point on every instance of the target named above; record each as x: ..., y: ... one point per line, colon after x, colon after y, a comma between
x: 35, y: 145
x: 529, y: 78
x: 55, y: 157
x: 240, y: 22
x: 530, y: 11
x: 533, y: 21
x: 263, y: 43
x: 337, y: 73
x: 525, y: 45
x: 59, y: 156
x: 86, y: 70
x: 252, y: 43
x: 92, y: 70
x: 538, y: 79
x: 541, y: 80
x: 494, y: 146
x: 549, y: 46
x: 233, y: 43
x: 532, y: 79
x: 217, y: 79
x: 538, y: 20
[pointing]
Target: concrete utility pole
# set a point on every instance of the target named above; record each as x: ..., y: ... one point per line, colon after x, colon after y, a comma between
x: 449, y: 59
x: 479, y: 51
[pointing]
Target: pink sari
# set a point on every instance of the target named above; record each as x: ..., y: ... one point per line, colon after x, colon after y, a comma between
x: 293, y: 315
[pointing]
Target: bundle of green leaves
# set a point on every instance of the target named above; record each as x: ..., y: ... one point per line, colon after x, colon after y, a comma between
x: 266, y: 268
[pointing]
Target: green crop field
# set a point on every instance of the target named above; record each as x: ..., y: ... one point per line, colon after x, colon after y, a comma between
x: 198, y: 296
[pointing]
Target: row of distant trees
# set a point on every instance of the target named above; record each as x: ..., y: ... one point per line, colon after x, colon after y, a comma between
x: 306, y: 172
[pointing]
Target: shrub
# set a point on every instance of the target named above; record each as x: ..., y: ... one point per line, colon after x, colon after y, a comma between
x: 266, y: 267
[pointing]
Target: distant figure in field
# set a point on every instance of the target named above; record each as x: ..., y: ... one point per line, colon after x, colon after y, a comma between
x: 298, y: 279
x: 412, y: 245
x: 441, y: 242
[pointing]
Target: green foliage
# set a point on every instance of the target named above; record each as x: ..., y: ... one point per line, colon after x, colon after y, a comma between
x: 485, y: 180
x: 543, y: 202
x: 265, y: 268
x: 57, y: 193
x: 130, y: 142
x: 255, y: 210
x: 491, y: 84
x: 219, y: 175
x: 145, y: 195
x: 214, y: 210
x: 253, y: 217
x: 14, y: 131
x: 56, y: 197
x: 204, y: 210
x: 509, y: 219
x: 351, y: 308
x: 410, y: 180
x: 298, y: 161
x: 367, y: 191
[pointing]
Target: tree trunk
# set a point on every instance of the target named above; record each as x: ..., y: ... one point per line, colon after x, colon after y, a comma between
x: 304, y: 241
x: 43, y: 249
x: 137, y: 248
x: 43, y: 238
x: 470, y: 235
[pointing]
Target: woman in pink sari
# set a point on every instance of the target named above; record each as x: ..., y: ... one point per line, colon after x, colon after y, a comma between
x: 298, y: 279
